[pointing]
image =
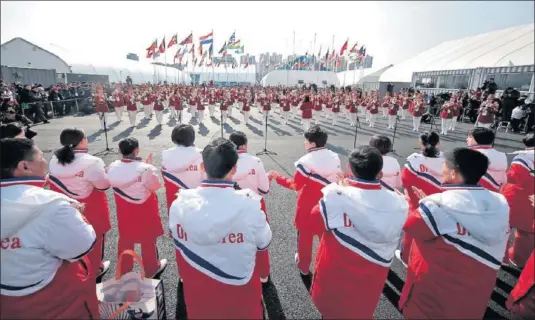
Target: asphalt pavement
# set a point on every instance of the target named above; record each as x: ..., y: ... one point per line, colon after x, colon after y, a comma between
x: 286, y: 297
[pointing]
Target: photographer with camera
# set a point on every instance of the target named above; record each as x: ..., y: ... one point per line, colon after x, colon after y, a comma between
x: 489, y: 86
x: 509, y: 101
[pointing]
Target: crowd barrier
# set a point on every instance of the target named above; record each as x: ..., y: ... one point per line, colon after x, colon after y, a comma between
x: 53, y: 106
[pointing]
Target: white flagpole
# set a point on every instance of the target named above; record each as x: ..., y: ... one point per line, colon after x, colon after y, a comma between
x: 314, y: 57
x: 165, y: 59
x: 347, y: 63
x: 354, y: 72
x: 293, y: 55
x: 333, y: 50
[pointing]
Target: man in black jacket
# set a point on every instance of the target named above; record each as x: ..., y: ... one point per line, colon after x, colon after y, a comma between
x: 509, y: 101
x: 34, y: 101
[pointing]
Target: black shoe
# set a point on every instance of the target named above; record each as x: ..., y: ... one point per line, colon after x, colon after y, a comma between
x: 265, y: 282
x: 46, y: 121
x: 307, y: 279
x: 161, y: 269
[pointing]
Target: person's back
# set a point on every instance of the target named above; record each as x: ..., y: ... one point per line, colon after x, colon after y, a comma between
x: 217, y: 232
x: 361, y: 224
x: 391, y: 169
x: 181, y: 165
x: 481, y: 139
x: 460, y: 236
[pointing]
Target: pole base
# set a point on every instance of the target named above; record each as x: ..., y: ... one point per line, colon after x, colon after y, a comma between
x: 106, y: 152
x: 266, y: 152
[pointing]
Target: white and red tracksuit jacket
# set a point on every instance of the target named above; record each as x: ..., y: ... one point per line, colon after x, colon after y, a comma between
x: 391, y: 172
x: 361, y: 225
x: 76, y: 180
x: 460, y: 236
x: 496, y: 173
x: 45, y: 274
x: 217, y: 232
x: 313, y: 171
x: 133, y: 183
x: 181, y: 169
x: 520, y: 185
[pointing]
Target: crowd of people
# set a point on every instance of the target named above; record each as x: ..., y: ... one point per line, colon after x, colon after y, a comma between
x: 452, y: 212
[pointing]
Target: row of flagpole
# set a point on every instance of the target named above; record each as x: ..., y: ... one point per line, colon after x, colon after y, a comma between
x: 332, y: 59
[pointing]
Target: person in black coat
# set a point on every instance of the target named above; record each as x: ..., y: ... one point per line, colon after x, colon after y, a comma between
x: 29, y: 96
x: 509, y: 101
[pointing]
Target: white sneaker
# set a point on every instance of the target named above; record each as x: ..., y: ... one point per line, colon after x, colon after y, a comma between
x: 104, y: 268
x: 264, y: 280
x: 161, y: 269
x: 397, y: 253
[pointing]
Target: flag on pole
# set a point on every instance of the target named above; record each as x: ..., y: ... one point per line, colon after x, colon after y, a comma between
x: 344, y: 48
x: 211, y: 51
x: 327, y: 54
x: 156, y: 54
x: 162, y: 46
x: 173, y: 41
x: 200, y: 50
x: 149, y: 54
x: 354, y: 48
x: 192, y: 51
x: 209, y: 38
x: 234, y: 45
x: 246, y: 61
x: 177, y: 55
x: 232, y: 38
x: 153, y: 46
x: 188, y: 40
x: 319, y: 52
x: 240, y: 50
x: 223, y: 48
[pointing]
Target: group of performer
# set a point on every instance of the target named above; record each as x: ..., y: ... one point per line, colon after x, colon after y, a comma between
x: 308, y: 105
x: 455, y: 213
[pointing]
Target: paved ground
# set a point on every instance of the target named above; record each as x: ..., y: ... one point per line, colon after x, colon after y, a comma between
x: 287, y: 297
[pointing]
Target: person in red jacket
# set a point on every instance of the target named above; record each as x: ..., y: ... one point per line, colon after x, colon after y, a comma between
x: 118, y: 102
x: 317, y: 109
x: 336, y: 110
x: 520, y: 185
x: 352, y: 113
x: 315, y: 170
x: 460, y: 236
x: 417, y: 110
x: 373, y: 107
x: 201, y: 106
x: 521, y: 301
x: 101, y: 106
x: 158, y: 109
x: 361, y: 223
x: 393, y: 108
x: 445, y: 116
x: 306, y: 112
x: 176, y: 106
x: 131, y: 106
x: 286, y: 108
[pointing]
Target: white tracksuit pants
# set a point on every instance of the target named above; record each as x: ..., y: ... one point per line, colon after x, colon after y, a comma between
x: 334, y: 117
x: 368, y: 116
x: 230, y: 110
x: 246, y: 117
x: 102, y: 117
x: 224, y: 115
x: 453, y: 123
x: 352, y: 119
x: 416, y: 123
x: 385, y: 113
x: 211, y: 109
x: 391, y: 121
x: 119, y: 113
x: 172, y: 113
x: 147, y: 109
x: 285, y: 116
x: 200, y: 114
x: 483, y: 125
x: 306, y: 124
x: 372, y: 118
x: 159, y: 116
x: 403, y: 114
x: 193, y: 110
x: 132, y: 117
x: 445, y: 124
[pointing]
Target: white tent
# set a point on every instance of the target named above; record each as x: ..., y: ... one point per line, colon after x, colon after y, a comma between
x: 293, y: 77
x: 230, y: 75
x: 503, y: 48
x: 140, y: 72
x: 360, y: 76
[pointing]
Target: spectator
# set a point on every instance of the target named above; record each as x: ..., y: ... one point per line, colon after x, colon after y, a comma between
x: 31, y: 97
x: 509, y: 101
x: 516, y: 118
x: 55, y: 97
x: 11, y: 130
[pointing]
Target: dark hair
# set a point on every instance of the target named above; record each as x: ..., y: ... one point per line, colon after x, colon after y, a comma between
x: 10, y: 130
x: 316, y: 135
x: 529, y: 140
x: 307, y: 99
x: 219, y: 157
x: 238, y: 138
x: 483, y: 136
x: 366, y: 163
x: 382, y: 143
x: 69, y: 139
x: 183, y: 135
x: 13, y: 151
x: 127, y: 146
x: 429, y: 141
x: 471, y: 164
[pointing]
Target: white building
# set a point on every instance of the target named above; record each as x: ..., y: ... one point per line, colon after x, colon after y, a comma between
x: 507, y: 55
x: 20, y: 53
x: 299, y: 77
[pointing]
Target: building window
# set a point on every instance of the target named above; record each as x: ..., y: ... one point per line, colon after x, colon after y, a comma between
x: 519, y: 81
x: 425, y: 82
x: 454, y: 82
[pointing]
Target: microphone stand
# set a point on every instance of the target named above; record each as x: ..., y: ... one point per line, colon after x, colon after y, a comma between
x: 221, y: 122
x: 357, y: 125
x: 107, y: 150
x: 265, y: 151
x: 394, y: 136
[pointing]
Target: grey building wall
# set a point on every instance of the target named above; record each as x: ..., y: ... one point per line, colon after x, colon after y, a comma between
x: 29, y: 75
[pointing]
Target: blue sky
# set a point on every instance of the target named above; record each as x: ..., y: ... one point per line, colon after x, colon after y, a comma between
x: 392, y: 31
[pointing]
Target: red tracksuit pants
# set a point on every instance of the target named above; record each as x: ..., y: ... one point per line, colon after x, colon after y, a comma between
x: 262, y: 257
x: 305, y: 241
x: 149, y: 254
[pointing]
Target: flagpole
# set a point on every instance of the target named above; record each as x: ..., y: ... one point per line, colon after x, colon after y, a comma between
x: 333, y: 50
x: 293, y: 55
x: 354, y: 72
x: 287, y: 64
x: 314, y: 57
x: 165, y: 58
x: 347, y: 62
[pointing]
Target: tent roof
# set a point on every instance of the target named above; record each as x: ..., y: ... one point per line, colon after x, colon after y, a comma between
x: 291, y: 77
x: 366, y: 76
x: 501, y: 48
